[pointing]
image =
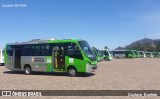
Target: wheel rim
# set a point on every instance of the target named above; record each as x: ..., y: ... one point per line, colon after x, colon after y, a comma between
x: 27, y: 70
x: 72, y: 72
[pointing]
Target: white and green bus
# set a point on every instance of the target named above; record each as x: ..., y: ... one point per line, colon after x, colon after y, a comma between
x: 148, y: 54
x: 107, y: 54
x: 118, y: 54
x: 141, y: 54
x: 98, y: 53
x: 123, y: 54
x: 1, y: 57
x: 67, y: 55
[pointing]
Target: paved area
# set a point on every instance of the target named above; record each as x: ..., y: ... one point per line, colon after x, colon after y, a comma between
x: 118, y: 74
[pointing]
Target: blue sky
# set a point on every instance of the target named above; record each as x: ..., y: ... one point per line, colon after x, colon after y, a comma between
x: 102, y: 23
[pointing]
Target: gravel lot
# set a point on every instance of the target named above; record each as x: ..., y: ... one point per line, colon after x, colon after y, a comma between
x: 118, y: 74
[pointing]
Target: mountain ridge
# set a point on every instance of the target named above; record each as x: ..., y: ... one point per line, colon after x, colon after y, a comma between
x: 145, y: 44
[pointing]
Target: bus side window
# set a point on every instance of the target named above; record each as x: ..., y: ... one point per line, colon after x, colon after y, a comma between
x: 47, y: 50
x: 9, y: 50
x: 106, y: 53
x: 37, y: 50
x: 74, y: 51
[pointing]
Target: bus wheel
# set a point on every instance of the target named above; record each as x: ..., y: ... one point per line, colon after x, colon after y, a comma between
x: 28, y: 70
x: 72, y: 72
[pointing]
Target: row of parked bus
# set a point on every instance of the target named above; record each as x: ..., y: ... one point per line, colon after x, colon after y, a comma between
x: 102, y: 54
x: 105, y: 54
x: 67, y: 55
x: 134, y: 54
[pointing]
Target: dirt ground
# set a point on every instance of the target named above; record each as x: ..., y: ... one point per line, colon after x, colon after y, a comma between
x: 118, y: 74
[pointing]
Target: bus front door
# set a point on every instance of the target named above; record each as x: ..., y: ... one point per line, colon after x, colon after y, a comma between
x: 17, y: 58
x: 59, y: 57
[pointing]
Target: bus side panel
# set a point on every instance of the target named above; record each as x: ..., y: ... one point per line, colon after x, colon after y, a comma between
x: 9, y: 62
x: 1, y: 56
x: 79, y: 64
x: 49, y: 62
x: 119, y: 55
x: 37, y: 63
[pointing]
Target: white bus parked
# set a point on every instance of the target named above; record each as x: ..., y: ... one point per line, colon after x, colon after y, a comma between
x: 1, y: 57
x: 148, y: 54
x: 118, y: 54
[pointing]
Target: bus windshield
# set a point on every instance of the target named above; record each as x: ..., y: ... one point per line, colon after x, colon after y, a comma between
x: 136, y: 52
x: 2, y: 52
x: 106, y: 52
x: 87, y: 50
x: 100, y: 53
x: 148, y: 53
x: 141, y: 53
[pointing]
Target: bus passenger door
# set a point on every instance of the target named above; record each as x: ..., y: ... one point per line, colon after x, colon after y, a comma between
x: 58, y: 57
x: 17, y: 58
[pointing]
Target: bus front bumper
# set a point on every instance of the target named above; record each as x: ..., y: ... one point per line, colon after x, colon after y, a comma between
x: 91, y: 68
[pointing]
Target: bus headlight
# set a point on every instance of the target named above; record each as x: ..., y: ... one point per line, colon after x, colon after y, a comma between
x: 88, y: 67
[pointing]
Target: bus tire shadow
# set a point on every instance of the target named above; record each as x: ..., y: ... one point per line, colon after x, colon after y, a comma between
x: 85, y: 74
x: 13, y: 72
x: 49, y: 74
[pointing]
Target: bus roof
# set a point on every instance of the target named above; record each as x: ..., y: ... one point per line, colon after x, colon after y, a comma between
x: 43, y: 41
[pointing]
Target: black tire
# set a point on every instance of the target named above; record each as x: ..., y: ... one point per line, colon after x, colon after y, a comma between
x: 72, y: 72
x: 28, y: 70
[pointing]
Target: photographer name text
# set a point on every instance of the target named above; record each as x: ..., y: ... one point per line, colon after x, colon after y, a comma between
x: 13, y: 5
